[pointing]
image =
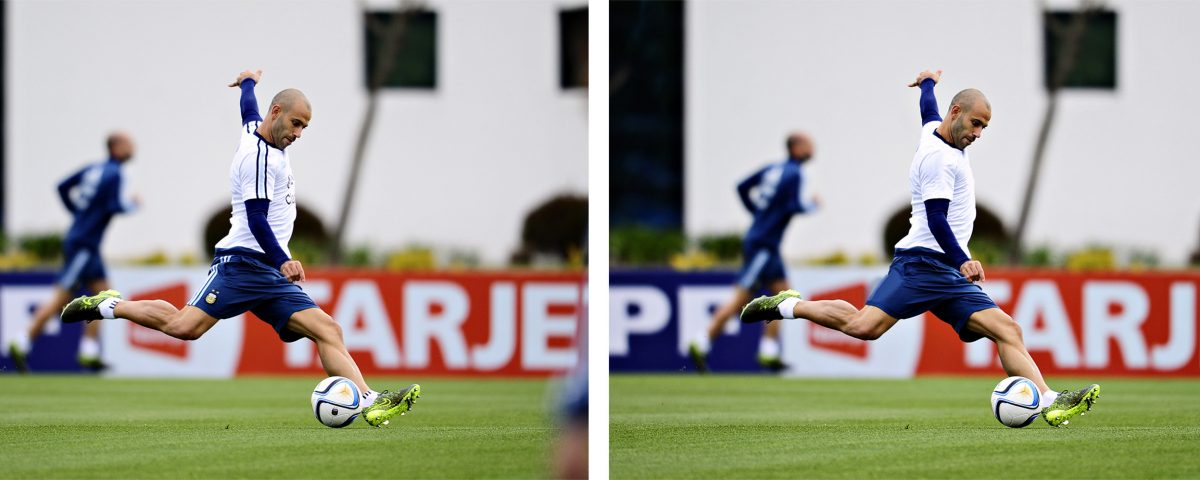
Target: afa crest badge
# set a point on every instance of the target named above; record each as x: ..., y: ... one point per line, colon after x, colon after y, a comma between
x: 211, y: 298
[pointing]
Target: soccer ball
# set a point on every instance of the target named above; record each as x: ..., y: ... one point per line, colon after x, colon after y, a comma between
x: 336, y: 402
x: 1016, y: 401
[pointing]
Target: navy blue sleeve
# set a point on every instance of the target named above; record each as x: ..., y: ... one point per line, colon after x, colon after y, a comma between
x: 939, y: 226
x: 249, y: 103
x: 744, y: 187
x: 65, y: 186
x: 790, y: 191
x: 110, y: 192
x: 929, y: 110
x: 256, y: 217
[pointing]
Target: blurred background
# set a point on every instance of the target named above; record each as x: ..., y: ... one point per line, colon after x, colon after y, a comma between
x: 479, y: 124
x: 1077, y: 176
x: 705, y: 92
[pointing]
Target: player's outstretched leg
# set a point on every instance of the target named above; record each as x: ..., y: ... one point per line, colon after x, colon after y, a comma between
x: 1068, y: 404
x: 87, y: 307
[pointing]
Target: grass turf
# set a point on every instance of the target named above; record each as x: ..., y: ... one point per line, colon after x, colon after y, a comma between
x: 726, y: 426
x: 87, y: 427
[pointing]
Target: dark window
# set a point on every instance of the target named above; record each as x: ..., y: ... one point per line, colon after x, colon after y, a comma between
x: 646, y: 88
x: 1095, y: 58
x: 413, y: 53
x: 573, y: 47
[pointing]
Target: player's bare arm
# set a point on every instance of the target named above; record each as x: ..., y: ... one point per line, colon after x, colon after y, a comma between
x: 936, y: 76
x: 255, y: 75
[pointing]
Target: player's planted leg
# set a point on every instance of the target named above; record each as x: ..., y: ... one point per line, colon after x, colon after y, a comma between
x: 318, y: 326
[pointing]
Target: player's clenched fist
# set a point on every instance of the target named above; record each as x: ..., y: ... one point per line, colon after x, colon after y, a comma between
x: 973, y: 270
x: 255, y: 75
x: 936, y: 76
x: 292, y: 270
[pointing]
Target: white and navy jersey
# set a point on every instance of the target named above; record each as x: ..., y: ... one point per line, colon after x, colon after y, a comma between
x: 940, y: 171
x: 260, y: 171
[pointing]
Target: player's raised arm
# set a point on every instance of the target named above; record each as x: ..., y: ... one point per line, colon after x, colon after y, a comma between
x: 246, y: 80
x: 929, y: 110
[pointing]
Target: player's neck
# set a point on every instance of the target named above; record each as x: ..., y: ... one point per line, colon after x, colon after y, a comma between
x: 265, y: 133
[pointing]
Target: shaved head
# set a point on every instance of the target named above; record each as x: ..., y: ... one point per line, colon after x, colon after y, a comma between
x: 967, y: 99
x: 799, y: 146
x: 287, y: 117
x: 288, y: 98
x: 120, y: 145
x: 969, y: 114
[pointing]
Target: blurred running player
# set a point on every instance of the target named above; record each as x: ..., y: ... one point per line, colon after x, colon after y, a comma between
x: 93, y: 195
x: 772, y: 195
x: 932, y: 271
x: 252, y: 269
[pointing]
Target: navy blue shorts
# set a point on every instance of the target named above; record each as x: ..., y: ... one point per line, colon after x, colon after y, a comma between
x: 238, y: 284
x: 920, y: 283
x: 81, y: 265
x: 763, y: 265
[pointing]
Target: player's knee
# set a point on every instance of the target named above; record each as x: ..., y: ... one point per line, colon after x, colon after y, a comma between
x: 1009, y: 329
x: 182, y: 332
x: 327, y: 329
x: 863, y: 331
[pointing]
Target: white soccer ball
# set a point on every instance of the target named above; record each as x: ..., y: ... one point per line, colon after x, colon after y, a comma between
x: 336, y: 402
x: 1016, y: 402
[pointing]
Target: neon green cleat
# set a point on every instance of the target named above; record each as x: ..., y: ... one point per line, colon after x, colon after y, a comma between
x: 1068, y: 404
x: 94, y: 364
x: 391, y: 404
x: 774, y: 364
x: 698, y: 358
x: 18, y: 357
x: 87, y: 308
x: 766, y: 308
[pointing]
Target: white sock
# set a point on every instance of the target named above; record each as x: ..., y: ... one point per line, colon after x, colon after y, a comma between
x: 787, y: 308
x: 1048, y: 397
x: 107, y: 306
x: 89, y: 348
x: 768, y: 347
x: 702, y: 343
x: 369, y: 397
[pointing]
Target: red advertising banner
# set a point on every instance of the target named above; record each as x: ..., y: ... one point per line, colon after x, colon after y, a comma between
x: 1073, y: 323
x: 452, y: 323
x: 1082, y: 324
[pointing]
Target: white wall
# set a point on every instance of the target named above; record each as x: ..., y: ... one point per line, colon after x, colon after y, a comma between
x: 1119, y: 169
x: 456, y: 167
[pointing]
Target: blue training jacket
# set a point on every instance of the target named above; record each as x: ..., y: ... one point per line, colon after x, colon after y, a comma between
x: 772, y: 195
x: 93, y: 196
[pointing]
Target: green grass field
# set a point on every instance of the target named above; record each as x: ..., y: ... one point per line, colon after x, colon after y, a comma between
x: 88, y: 427
x: 725, y: 426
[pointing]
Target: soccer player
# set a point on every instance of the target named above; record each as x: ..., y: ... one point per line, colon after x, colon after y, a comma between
x: 93, y: 195
x: 932, y: 270
x: 772, y: 195
x: 252, y: 269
